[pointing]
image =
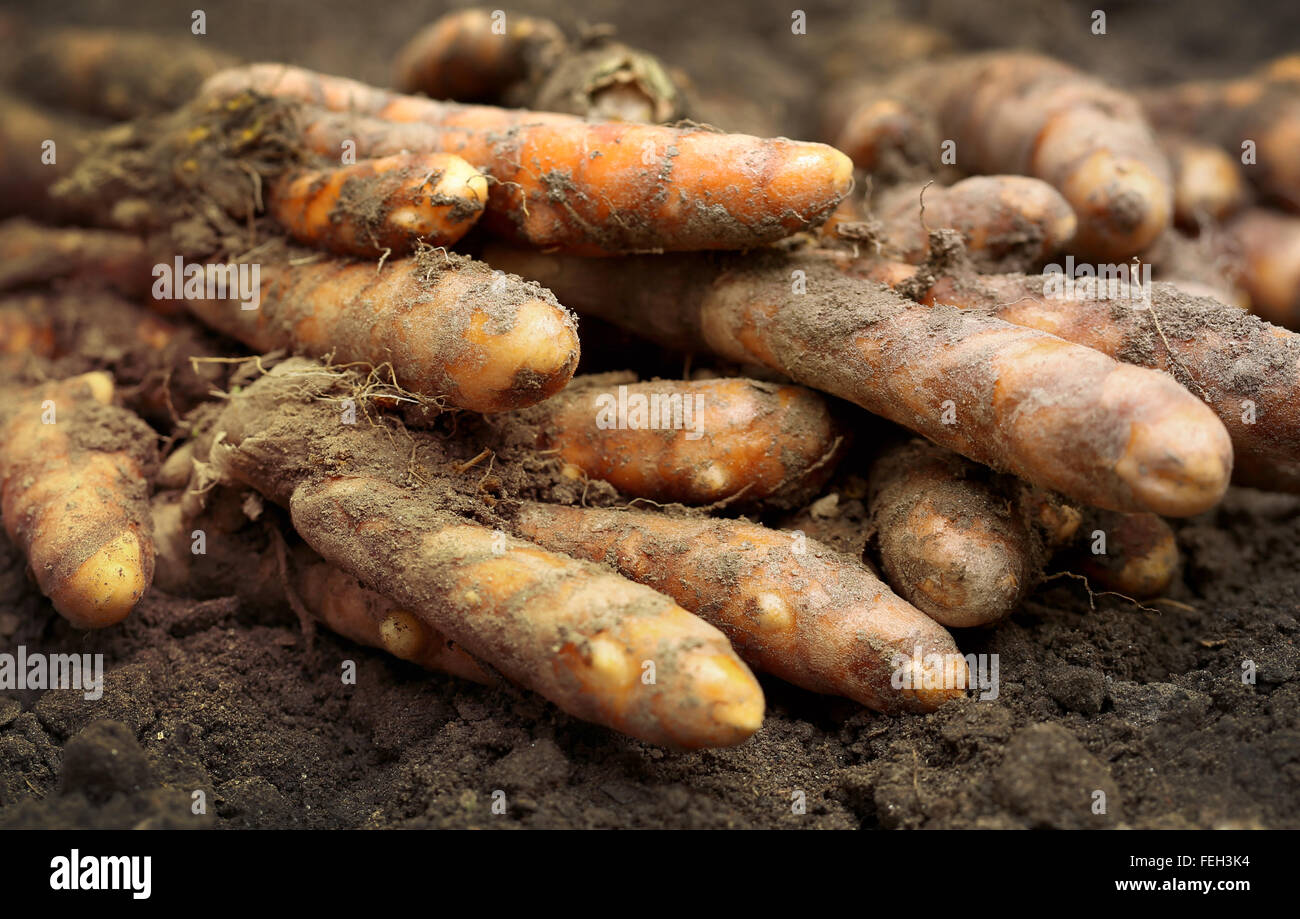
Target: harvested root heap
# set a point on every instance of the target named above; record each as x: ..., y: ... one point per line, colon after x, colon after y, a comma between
x: 574, y: 633
x: 1019, y: 400
x: 561, y: 182
x: 1245, y: 369
x: 1020, y: 113
x: 387, y: 437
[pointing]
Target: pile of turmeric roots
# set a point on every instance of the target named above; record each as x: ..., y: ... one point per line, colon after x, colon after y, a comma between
x: 240, y: 357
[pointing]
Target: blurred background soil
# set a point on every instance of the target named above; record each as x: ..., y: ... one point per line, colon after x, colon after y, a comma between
x: 1147, y: 705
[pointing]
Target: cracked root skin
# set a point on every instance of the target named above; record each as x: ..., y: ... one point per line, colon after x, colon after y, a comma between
x: 75, y: 497
x: 791, y: 606
x: 446, y: 324
x: 1054, y: 413
x: 585, y: 187
x: 733, y: 438
x: 577, y: 634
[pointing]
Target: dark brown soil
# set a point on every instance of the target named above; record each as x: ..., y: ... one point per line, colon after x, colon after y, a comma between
x: 1148, y: 705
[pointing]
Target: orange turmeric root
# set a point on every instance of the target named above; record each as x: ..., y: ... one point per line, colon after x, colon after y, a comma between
x: 1007, y: 222
x: 1131, y: 554
x: 791, y: 606
x: 448, y: 326
x: 1254, y: 119
x: 380, y: 205
x: 1268, y: 244
x: 601, y: 647
x: 574, y: 633
x: 524, y: 62
x: 359, y: 614
x: 254, y: 561
x: 692, y: 442
x: 1056, y: 414
x: 1207, y: 183
x: 473, y: 55
x: 562, y: 182
x: 952, y: 538
x: 74, y: 496
x: 1246, y: 370
x: 112, y: 73
x: 1021, y: 113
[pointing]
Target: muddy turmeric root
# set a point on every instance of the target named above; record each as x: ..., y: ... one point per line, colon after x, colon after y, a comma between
x: 74, y: 496
x: 524, y: 62
x: 344, y: 605
x: 1268, y: 244
x: 1007, y: 222
x: 448, y: 326
x: 585, y: 187
x: 112, y: 73
x: 1207, y: 184
x: 1246, y: 370
x: 257, y: 564
x: 1131, y: 554
x: 1017, y: 112
x: 37, y: 149
x: 474, y: 55
x: 791, y: 606
x: 1254, y: 119
x: 692, y: 442
x: 380, y: 205
x: 24, y: 332
x: 1021, y: 401
x: 951, y: 538
x: 884, y: 135
x: 602, y: 648
x: 578, y: 635
x: 32, y: 254
x: 151, y: 358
